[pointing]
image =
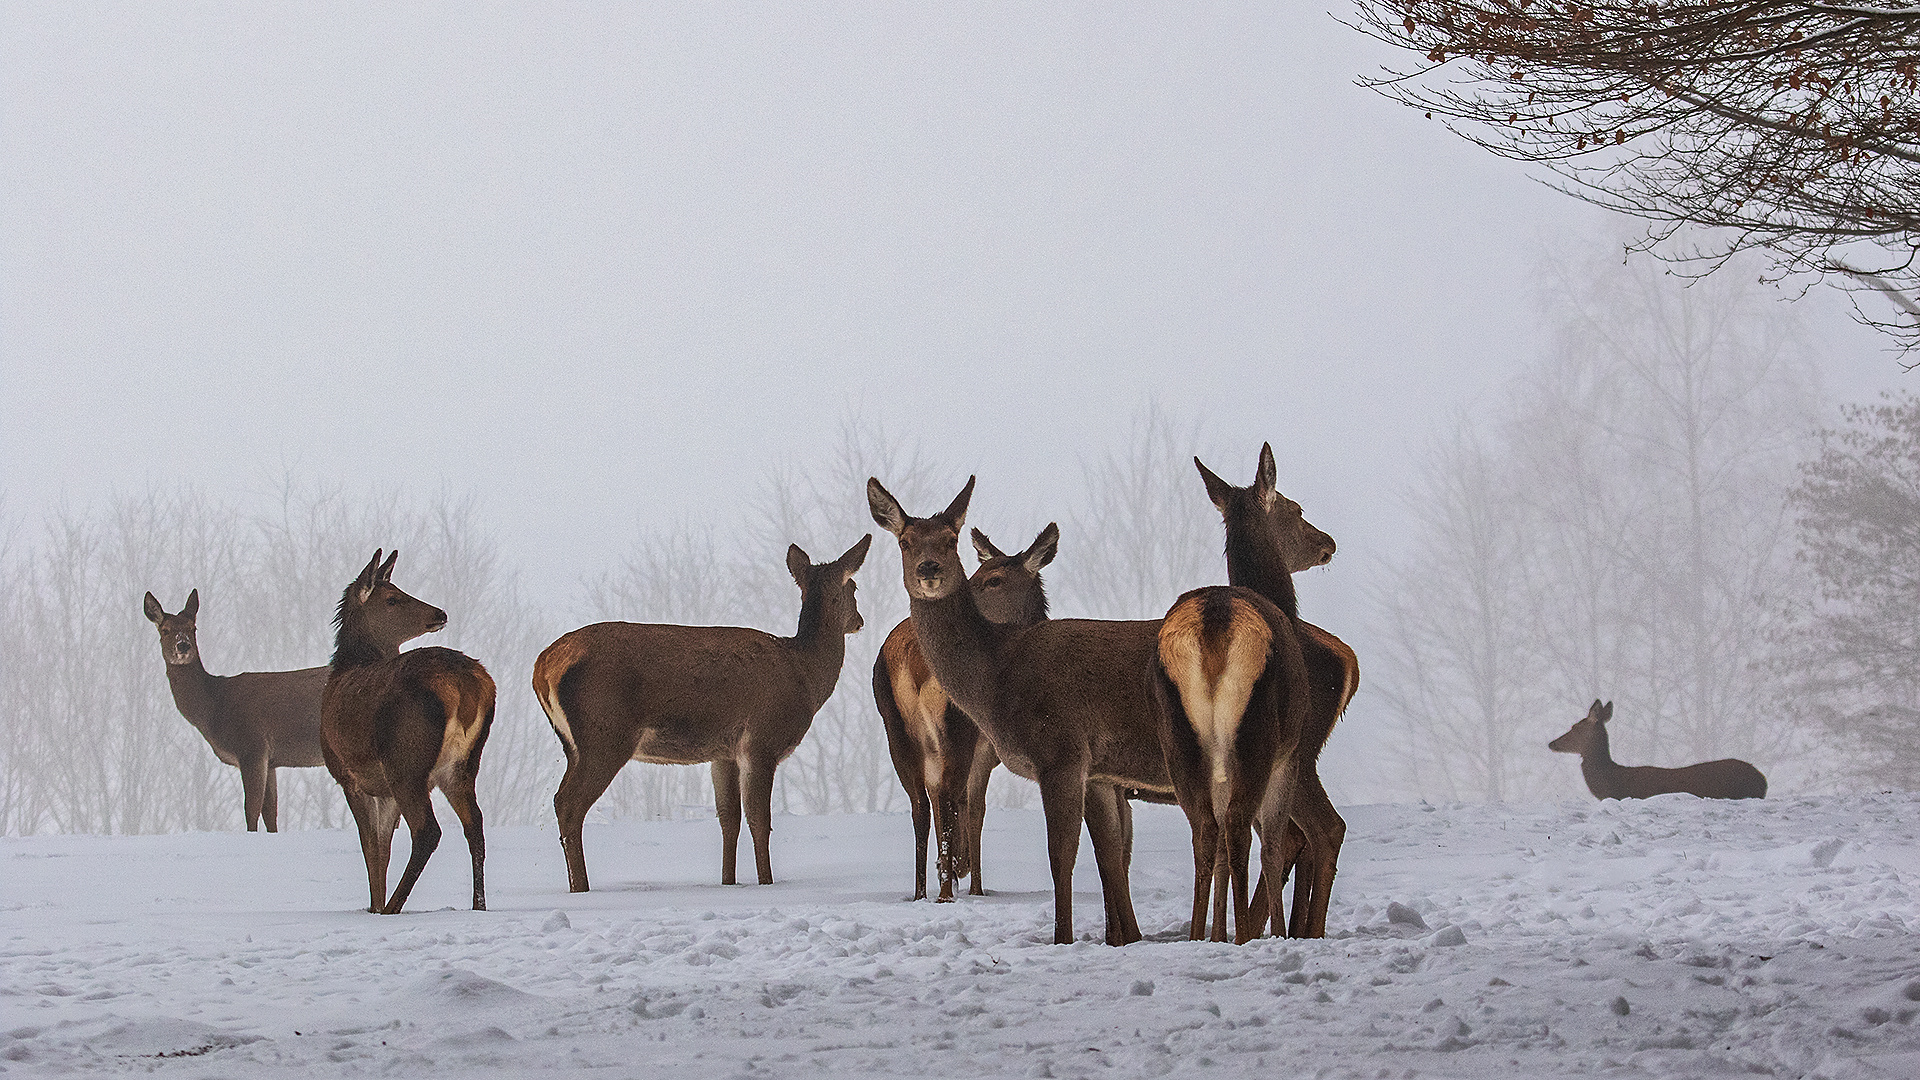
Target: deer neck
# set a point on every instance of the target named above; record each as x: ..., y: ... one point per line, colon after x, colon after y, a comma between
x: 963, y: 649
x: 353, y: 647
x: 1256, y: 565
x: 195, y: 692
x: 1598, y: 768
x: 821, y: 645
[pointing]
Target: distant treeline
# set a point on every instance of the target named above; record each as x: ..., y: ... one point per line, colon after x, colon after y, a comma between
x: 90, y: 740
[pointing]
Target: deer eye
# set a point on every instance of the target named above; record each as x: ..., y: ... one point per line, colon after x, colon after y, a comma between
x: 393, y: 601
x: 994, y: 582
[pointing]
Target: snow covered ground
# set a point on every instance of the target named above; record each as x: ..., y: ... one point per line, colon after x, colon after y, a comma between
x: 1673, y: 937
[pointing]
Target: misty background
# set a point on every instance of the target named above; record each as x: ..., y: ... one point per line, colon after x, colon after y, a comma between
x: 592, y: 309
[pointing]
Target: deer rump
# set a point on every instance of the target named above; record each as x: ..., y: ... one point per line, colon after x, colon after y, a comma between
x: 1231, y: 690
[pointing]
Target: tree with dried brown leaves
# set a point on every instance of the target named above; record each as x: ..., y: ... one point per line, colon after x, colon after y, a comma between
x: 1791, y: 126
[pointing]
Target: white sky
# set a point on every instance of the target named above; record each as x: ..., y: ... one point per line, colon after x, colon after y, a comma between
x: 604, y: 264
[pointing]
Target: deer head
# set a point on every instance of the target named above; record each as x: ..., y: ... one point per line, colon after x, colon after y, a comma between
x: 178, y: 643
x: 1589, y: 734
x: 827, y: 590
x: 1260, y: 510
x: 375, y: 612
x: 1007, y: 587
x: 929, y: 547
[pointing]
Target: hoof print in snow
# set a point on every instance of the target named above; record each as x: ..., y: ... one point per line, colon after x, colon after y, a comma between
x: 1447, y: 937
x: 1141, y: 988
x: 556, y: 921
x: 1399, y: 914
x: 1620, y: 1007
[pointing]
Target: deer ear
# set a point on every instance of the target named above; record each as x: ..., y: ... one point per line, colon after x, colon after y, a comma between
x: 1042, y: 550
x: 885, y: 508
x: 798, y: 564
x: 1266, y: 477
x: 984, y: 548
x: 153, y: 609
x: 369, y: 576
x: 191, y: 610
x: 1606, y: 712
x: 386, y: 572
x: 1218, y: 490
x: 849, y: 564
x: 956, y: 511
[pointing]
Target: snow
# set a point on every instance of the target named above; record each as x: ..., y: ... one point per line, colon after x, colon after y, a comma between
x: 1672, y: 937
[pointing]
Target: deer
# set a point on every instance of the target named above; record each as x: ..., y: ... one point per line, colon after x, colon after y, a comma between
x: 1267, y: 541
x: 256, y: 721
x: 1235, y: 699
x: 938, y: 752
x: 737, y: 698
x: 1728, y: 778
x: 394, y: 726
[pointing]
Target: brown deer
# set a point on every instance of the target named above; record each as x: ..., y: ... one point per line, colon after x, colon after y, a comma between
x: 938, y: 752
x: 1234, y: 696
x: 395, y: 725
x: 1065, y: 703
x: 1728, y: 778
x: 1267, y: 541
x: 257, y: 721
x: 683, y: 695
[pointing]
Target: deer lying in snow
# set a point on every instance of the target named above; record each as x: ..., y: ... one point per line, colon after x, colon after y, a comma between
x: 1728, y: 778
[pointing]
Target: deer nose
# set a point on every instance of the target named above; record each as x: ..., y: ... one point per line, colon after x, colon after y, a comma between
x: 929, y: 569
x: 438, y: 622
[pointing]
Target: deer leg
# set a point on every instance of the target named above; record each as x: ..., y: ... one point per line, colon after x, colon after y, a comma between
x: 1275, y: 810
x: 586, y: 780
x: 1238, y: 839
x: 1107, y: 818
x: 253, y: 780
x: 726, y: 806
x: 946, y: 838
x: 922, y: 822
x: 416, y: 805
x: 759, y: 799
x: 1322, y: 848
x: 270, y: 806
x: 984, y: 759
x: 1063, y: 798
x: 459, y: 791
x: 1206, y: 845
x: 366, y: 816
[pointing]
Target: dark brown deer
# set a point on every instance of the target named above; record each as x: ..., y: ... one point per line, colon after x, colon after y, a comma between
x: 257, y: 721
x: 395, y: 725
x: 1728, y: 778
x: 942, y: 759
x: 1267, y: 541
x: 1065, y: 703
x: 683, y: 695
x: 1234, y: 698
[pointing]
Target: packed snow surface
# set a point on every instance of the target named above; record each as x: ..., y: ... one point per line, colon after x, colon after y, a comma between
x: 1672, y: 937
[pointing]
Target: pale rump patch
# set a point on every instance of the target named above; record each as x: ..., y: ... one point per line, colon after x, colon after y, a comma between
x: 1215, y: 674
x: 553, y: 663
x: 466, y: 713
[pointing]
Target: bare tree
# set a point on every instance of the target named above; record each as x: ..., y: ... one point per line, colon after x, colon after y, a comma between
x: 1791, y: 126
x: 89, y: 737
x: 1616, y: 531
x: 1145, y: 532
x: 1855, y: 660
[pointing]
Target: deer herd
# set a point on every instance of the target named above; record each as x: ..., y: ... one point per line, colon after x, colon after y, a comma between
x: 1222, y: 706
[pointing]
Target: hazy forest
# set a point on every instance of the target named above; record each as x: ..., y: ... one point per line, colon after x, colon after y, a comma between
x: 1663, y: 509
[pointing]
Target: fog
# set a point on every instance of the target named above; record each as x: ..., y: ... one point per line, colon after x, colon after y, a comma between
x: 607, y: 267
